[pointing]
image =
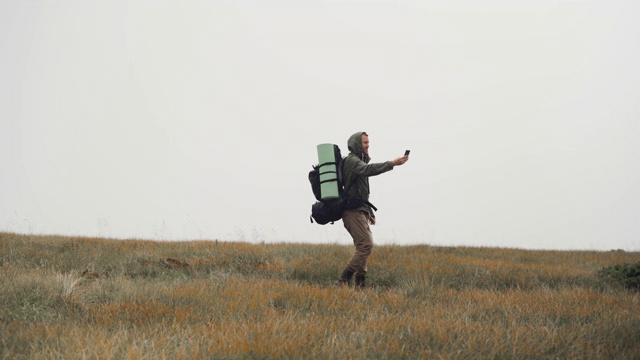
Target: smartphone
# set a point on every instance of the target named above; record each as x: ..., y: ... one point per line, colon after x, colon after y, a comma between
x: 406, y: 152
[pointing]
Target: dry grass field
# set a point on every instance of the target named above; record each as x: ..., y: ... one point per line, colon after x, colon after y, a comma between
x: 89, y: 298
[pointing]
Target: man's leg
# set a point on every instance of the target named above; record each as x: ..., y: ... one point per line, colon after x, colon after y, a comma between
x: 357, y: 224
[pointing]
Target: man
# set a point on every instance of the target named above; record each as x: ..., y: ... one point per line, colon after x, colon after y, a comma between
x: 356, y: 179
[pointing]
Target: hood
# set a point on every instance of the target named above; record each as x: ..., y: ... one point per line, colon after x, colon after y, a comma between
x: 355, y: 146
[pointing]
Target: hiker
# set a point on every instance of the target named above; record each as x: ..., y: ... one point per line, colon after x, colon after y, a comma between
x: 357, y: 171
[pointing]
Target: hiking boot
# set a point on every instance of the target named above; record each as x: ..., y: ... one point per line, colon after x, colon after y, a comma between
x: 345, y: 278
x: 360, y: 281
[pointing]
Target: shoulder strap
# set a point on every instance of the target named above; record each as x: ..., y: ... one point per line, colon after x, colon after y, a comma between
x: 346, y: 186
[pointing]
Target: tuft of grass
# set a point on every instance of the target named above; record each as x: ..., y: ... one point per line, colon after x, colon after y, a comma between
x: 624, y: 275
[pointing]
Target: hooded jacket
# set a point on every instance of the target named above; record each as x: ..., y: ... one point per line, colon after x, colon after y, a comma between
x: 357, y: 170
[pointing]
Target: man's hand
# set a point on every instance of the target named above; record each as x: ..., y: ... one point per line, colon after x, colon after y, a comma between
x: 399, y: 161
x: 372, y: 219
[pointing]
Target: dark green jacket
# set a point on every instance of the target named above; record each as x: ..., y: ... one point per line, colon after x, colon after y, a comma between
x: 357, y: 170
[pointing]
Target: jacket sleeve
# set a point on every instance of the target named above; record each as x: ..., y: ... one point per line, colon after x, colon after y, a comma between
x: 361, y: 168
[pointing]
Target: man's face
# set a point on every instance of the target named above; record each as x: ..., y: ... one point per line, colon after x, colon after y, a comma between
x: 365, y: 144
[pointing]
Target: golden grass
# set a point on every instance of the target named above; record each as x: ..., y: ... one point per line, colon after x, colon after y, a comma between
x: 239, y: 300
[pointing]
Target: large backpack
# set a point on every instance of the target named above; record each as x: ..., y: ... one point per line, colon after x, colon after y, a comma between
x: 329, y: 211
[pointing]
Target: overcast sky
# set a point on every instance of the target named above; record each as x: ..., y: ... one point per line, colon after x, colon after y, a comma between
x: 182, y: 120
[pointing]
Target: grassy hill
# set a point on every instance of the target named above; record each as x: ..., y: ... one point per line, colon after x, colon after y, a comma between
x: 69, y: 297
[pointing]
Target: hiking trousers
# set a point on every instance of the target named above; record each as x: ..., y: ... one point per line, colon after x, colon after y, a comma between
x: 357, y: 224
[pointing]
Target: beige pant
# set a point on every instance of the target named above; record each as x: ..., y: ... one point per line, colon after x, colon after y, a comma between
x: 357, y: 224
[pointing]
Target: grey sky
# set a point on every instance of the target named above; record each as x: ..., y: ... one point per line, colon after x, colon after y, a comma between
x: 199, y: 119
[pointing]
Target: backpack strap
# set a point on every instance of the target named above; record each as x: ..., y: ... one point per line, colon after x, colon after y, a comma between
x: 328, y: 172
x: 346, y: 186
x: 373, y: 207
